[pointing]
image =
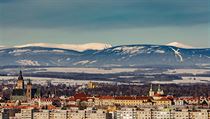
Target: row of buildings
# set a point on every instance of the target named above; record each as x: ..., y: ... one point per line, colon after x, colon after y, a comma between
x: 26, y: 93
x: 74, y: 113
x: 26, y: 103
x: 93, y: 113
x: 164, y: 113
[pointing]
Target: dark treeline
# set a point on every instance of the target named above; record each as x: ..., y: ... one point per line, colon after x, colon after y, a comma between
x: 139, y: 90
x: 169, y: 89
x: 194, y: 90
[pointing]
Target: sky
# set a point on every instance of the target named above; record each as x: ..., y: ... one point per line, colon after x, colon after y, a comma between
x: 115, y: 22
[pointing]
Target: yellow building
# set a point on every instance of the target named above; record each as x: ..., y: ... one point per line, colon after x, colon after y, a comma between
x: 91, y: 85
x: 162, y: 102
x: 131, y: 101
x: 106, y: 101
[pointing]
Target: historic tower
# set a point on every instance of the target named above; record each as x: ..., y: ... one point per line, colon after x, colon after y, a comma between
x: 151, y: 92
x: 20, y: 82
x: 28, y: 89
x: 160, y: 91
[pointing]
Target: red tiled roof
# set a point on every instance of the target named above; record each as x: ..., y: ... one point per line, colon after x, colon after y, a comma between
x: 70, y: 99
x: 51, y: 107
x: 106, y: 97
x: 163, y: 99
x: 20, y: 107
x: 80, y: 95
x: 157, y: 95
x: 130, y: 98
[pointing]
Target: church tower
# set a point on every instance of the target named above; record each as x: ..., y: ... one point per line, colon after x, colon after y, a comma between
x: 159, y: 91
x: 28, y: 89
x: 151, y: 92
x: 20, y: 81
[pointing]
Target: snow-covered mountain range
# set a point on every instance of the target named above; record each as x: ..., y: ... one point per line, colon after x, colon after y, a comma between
x: 77, y: 47
x: 105, y: 56
x: 180, y: 45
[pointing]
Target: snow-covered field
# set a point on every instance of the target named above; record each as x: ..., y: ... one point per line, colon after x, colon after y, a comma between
x: 120, y: 70
x: 91, y: 70
x: 186, y: 80
x: 43, y: 80
x: 147, y: 71
x: 191, y: 71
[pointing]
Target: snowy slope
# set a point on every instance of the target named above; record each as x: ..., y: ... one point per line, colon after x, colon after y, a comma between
x: 77, y: 47
x: 36, y: 56
x: 179, y: 45
x: 118, y: 56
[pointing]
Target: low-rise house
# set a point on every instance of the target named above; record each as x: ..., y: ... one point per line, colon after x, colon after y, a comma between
x: 105, y: 101
x: 162, y: 102
x: 131, y: 100
x: 126, y: 113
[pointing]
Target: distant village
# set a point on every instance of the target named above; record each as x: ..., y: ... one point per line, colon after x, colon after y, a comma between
x: 27, y: 101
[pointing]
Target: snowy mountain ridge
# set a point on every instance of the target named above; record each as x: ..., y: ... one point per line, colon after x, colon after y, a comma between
x: 76, y: 47
x: 180, y: 45
x: 117, y: 56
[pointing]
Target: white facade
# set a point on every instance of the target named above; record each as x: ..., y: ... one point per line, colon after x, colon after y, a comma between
x: 200, y: 114
x: 44, y: 114
x: 144, y: 114
x: 26, y: 113
x: 126, y: 113
x: 58, y: 114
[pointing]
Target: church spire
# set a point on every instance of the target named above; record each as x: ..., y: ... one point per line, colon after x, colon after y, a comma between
x: 150, y: 87
x: 20, y: 77
x: 160, y: 91
x: 151, y: 92
x: 159, y: 88
x: 20, y: 81
x: 29, y: 82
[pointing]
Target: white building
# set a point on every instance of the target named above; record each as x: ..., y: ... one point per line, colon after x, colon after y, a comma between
x: 199, y: 114
x: 96, y: 114
x: 44, y: 114
x: 161, y: 114
x: 58, y: 114
x: 181, y: 114
x: 126, y: 113
x: 75, y: 114
x: 144, y: 114
x: 26, y: 113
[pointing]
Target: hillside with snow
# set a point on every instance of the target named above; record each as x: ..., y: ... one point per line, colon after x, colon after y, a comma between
x: 76, y: 47
x: 179, y: 45
x: 117, y: 56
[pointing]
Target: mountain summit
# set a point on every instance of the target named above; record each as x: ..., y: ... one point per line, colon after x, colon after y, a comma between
x: 180, y: 45
x: 76, y: 47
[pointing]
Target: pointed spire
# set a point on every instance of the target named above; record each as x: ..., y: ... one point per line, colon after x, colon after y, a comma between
x: 159, y: 88
x: 151, y: 87
x: 29, y: 82
x: 151, y: 92
x: 20, y: 77
x: 20, y: 72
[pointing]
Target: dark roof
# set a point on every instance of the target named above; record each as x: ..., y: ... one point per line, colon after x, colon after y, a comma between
x: 22, y: 92
x: 33, y: 92
x: 18, y: 92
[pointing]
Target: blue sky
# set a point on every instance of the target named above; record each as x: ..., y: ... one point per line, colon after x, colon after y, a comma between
x: 110, y: 21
